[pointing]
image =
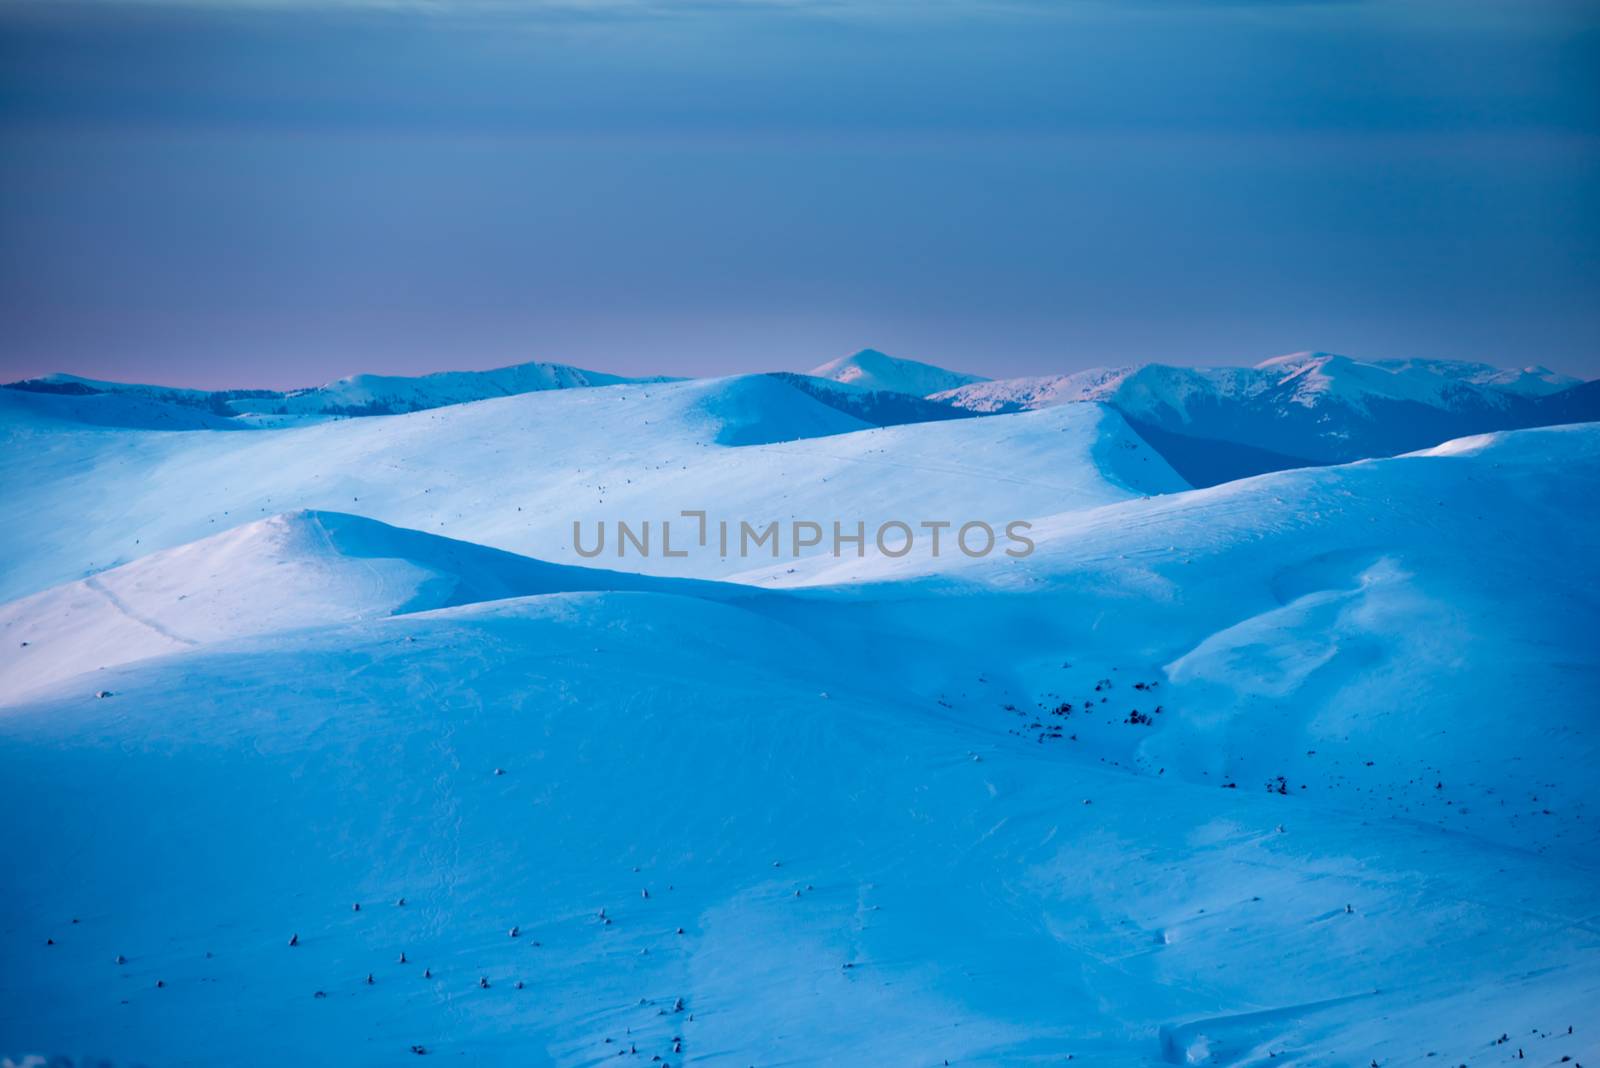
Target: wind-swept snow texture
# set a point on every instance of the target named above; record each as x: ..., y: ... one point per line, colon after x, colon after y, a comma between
x: 1291, y: 770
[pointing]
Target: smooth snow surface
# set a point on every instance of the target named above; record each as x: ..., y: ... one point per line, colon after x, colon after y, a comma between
x: 1294, y: 770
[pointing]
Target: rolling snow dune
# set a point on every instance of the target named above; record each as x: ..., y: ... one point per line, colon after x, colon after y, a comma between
x: 516, y: 473
x: 283, y: 573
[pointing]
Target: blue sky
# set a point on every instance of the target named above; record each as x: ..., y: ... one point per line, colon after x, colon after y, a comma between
x: 281, y: 193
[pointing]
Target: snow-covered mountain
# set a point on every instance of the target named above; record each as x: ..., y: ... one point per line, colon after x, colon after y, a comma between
x: 1305, y: 378
x: 363, y: 394
x: 331, y: 744
x: 390, y: 394
x: 516, y: 473
x: 1291, y: 770
x: 1305, y: 407
x: 871, y: 369
x: 1211, y: 424
x: 1532, y: 381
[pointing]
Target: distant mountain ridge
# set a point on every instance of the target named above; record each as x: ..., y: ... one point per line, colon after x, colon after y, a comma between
x: 1213, y: 424
x: 1318, y: 406
x: 361, y: 394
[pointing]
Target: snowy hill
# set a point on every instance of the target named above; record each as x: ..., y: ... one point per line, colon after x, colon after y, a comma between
x: 1320, y: 407
x: 901, y: 821
x: 391, y: 394
x: 355, y: 395
x: 517, y: 472
x: 1307, y: 622
x: 283, y: 573
x: 61, y: 384
x: 871, y: 369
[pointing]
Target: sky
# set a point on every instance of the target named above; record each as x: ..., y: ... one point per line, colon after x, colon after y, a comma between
x: 225, y: 193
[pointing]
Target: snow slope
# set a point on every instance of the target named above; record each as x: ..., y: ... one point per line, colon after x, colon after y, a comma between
x: 1428, y: 613
x: 282, y: 573
x: 839, y: 797
x: 871, y: 369
x: 853, y: 887
x: 515, y: 473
